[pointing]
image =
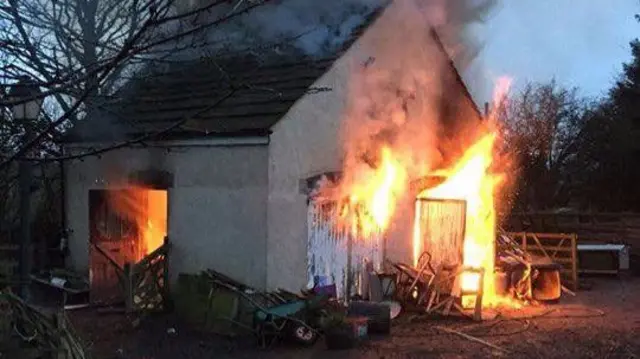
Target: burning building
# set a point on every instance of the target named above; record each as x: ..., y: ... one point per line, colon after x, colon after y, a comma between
x: 283, y: 173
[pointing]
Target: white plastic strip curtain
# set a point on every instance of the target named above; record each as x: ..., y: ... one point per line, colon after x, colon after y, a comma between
x: 441, y: 230
x: 334, y: 254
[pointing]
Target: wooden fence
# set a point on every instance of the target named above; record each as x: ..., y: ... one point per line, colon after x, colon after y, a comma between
x: 146, y: 285
x: 559, y: 248
x: 621, y: 228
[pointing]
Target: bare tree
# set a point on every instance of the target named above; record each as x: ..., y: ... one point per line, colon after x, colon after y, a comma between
x: 79, y: 51
x: 543, y: 124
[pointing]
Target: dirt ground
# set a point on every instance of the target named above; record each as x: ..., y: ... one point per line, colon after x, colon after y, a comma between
x: 603, y: 322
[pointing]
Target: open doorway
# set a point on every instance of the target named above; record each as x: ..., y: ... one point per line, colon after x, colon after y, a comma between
x: 125, y: 226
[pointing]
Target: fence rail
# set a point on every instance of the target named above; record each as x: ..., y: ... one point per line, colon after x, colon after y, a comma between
x: 621, y: 228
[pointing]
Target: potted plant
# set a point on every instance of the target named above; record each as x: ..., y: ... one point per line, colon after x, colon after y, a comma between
x: 342, y: 332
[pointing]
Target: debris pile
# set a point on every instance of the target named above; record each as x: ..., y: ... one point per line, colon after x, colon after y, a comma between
x: 299, y: 317
x: 42, y: 332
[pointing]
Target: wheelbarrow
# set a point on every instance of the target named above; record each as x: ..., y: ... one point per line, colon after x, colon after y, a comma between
x: 297, y: 321
x: 281, y: 314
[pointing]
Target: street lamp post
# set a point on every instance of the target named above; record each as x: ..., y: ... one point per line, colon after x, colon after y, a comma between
x: 28, y: 103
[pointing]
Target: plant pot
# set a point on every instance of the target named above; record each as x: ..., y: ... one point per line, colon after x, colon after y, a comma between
x: 378, y: 315
x: 346, y: 335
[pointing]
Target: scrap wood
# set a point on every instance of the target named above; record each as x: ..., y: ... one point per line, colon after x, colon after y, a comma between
x: 545, y: 314
x: 49, y: 332
x: 568, y: 291
x: 472, y: 338
x: 485, y: 329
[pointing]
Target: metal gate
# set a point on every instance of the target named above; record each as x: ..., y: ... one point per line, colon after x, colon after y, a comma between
x: 337, y: 256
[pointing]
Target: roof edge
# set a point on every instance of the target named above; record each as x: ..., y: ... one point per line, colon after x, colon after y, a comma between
x: 191, y: 135
x: 452, y: 65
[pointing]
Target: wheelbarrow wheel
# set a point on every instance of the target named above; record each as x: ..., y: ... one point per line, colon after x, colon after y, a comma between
x: 302, y: 334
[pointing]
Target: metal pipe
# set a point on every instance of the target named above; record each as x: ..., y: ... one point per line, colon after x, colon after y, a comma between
x: 63, y: 210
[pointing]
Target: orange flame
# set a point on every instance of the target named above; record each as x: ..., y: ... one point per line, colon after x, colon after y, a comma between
x: 372, y: 202
x: 373, y: 197
x: 471, y: 181
x: 155, y: 228
x: 147, y: 210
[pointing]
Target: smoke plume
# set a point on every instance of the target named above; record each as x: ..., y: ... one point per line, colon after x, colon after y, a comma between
x: 283, y: 27
x: 407, y: 96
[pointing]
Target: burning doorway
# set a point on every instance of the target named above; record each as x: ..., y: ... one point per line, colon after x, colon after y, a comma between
x: 125, y: 225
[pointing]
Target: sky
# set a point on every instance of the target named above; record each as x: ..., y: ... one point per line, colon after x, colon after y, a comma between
x: 581, y: 43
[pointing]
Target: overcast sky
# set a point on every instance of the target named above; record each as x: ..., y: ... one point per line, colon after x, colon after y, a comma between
x: 581, y: 43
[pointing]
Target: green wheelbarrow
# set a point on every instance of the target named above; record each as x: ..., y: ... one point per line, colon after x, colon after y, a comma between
x: 293, y: 321
x: 282, y: 315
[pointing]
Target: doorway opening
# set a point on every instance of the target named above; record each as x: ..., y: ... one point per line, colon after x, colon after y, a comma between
x: 125, y: 226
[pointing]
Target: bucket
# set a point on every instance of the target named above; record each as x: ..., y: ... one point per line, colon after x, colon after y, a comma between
x: 547, y: 285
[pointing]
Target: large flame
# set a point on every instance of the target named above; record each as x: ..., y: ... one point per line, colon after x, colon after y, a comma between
x: 471, y: 181
x: 371, y: 203
x: 408, y: 113
x: 372, y: 197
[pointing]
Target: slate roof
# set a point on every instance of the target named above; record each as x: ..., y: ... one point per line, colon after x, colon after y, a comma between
x: 263, y: 94
x: 192, y: 98
x: 192, y: 94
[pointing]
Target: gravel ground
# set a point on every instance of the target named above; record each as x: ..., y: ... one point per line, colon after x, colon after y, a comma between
x: 603, y: 322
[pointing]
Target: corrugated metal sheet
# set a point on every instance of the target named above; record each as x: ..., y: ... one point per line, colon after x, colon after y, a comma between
x: 335, y: 254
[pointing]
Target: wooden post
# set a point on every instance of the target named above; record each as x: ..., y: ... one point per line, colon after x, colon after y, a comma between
x: 574, y: 261
x: 128, y: 287
x: 477, y: 314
